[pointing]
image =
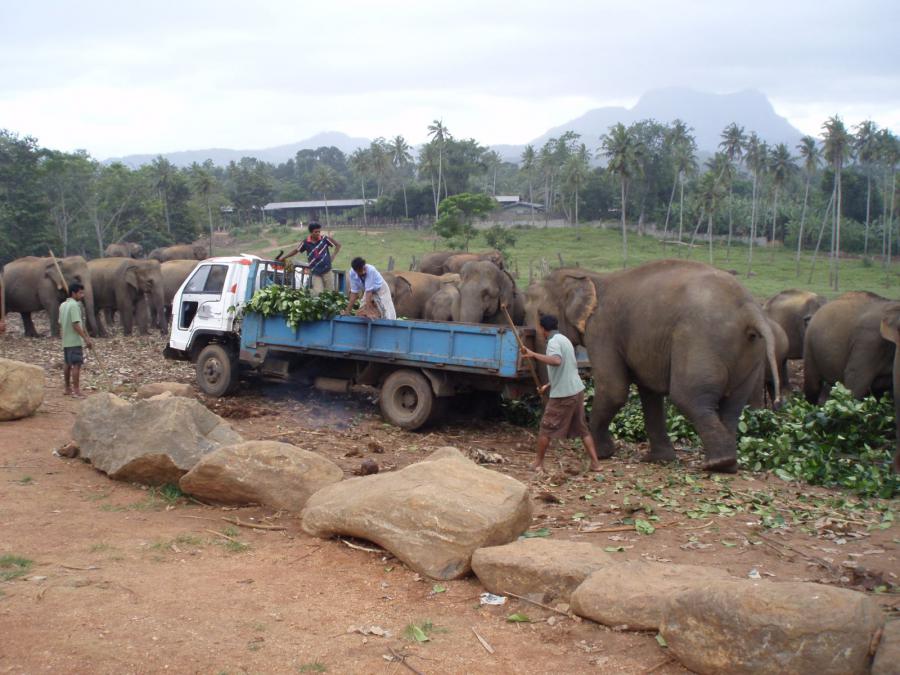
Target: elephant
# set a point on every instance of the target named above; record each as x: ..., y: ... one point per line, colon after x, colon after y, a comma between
x: 179, y: 252
x: 125, y: 249
x: 890, y: 330
x: 174, y: 272
x: 792, y: 309
x: 440, y: 305
x: 844, y: 343
x: 125, y: 285
x: 439, y: 261
x: 674, y: 328
x: 483, y: 289
x: 411, y: 290
x: 33, y: 284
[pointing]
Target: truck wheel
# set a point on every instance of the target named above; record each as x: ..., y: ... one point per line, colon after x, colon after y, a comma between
x: 406, y: 399
x: 216, y: 371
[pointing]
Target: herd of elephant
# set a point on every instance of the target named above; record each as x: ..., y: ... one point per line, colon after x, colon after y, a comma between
x: 673, y: 328
x: 138, y: 290
x: 677, y: 329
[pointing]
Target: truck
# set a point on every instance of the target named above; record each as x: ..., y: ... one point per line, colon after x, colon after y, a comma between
x: 417, y: 366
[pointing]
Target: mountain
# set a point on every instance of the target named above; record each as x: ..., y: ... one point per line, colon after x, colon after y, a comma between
x: 707, y: 113
x: 276, y: 155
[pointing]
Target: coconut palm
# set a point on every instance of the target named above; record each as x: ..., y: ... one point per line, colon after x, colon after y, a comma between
x: 324, y: 180
x: 360, y: 164
x: 575, y: 174
x: 623, y: 153
x: 811, y: 156
x: 889, y: 152
x: 492, y: 162
x: 682, y: 147
x: 162, y: 176
x: 380, y: 158
x: 529, y: 162
x: 204, y: 181
x: 756, y: 152
x: 865, y: 145
x: 710, y: 193
x: 838, y: 144
x: 781, y: 166
x: 732, y: 144
x: 401, y: 158
x: 439, y: 135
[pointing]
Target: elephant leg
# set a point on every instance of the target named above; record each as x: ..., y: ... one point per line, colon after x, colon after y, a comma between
x: 53, y: 315
x: 142, y: 316
x: 101, y: 326
x: 812, y: 380
x: 862, y: 369
x: 126, y: 314
x: 108, y: 316
x: 661, y: 449
x: 29, y: 325
x: 731, y: 407
x: 610, y: 394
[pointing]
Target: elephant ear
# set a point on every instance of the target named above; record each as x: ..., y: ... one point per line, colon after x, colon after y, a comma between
x: 890, y: 323
x: 51, y: 272
x: 131, y: 276
x: 579, y: 299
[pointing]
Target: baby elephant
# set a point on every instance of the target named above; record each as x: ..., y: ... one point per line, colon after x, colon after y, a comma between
x: 440, y: 305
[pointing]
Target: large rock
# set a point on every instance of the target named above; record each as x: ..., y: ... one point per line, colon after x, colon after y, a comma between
x: 157, y: 388
x: 155, y: 441
x: 21, y: 389
x: 766, y: 627
x: 635, y: 593
x: 432, y: 515
x: 540, y: 569
x: 260, y: 472
x: 887, y: 660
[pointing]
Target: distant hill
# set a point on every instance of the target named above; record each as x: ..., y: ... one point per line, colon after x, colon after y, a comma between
x: 707, y: 113
x: 276, y: 155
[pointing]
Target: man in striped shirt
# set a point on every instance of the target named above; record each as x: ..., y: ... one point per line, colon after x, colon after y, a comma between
x: 319, y: 256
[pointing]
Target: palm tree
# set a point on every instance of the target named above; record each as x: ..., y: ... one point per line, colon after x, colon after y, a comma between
x: 575, y: 174
x: 203, y: 184
x: 439, y: 135
x: 732, y: 144
x: 711, y: 191
x: 324, y: 180
x: 889, y: 150
x: 781, y: 165
x: 756, y: 154
x: 400, y: 158
x: 360, y: 164
x: 162, y: 172
x: 681, y: 147
x: 811, y: 156
x: 623, y: 153
x: 380, y: 159
x: 528, y: 166
x: 865, y: 144
x: 837, y: 146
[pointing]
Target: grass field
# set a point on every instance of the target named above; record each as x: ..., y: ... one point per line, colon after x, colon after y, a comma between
x: 600, y: 249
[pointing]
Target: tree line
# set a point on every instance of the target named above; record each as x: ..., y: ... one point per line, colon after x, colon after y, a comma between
x: 828, y: 194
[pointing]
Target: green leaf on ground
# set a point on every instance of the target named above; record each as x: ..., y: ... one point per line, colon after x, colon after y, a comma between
x: 518, y: 617
x: 643, y: 527
x: 541, y: 532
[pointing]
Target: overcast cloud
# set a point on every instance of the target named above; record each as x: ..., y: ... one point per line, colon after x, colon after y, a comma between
x: 117, y: 78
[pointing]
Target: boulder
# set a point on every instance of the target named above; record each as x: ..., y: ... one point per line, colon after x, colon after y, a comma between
x: 539, y: 569
x: 766, y: 627
x: 153, y: 441
x: 156, y: 388
x: 887, y: 659
x: 635, y: 593
x: 274, y: 474
x: 21, y: 389
x: 432, y: 515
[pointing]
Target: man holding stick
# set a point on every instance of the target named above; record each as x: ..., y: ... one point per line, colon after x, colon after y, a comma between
x: 74, y: 339
x: 564, y: 414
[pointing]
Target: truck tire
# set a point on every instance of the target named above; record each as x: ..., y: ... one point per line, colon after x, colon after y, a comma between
x: 406, y: 399
x: 216, y: 371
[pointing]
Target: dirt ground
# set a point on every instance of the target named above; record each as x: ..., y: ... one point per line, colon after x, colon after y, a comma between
x: 124, y: 579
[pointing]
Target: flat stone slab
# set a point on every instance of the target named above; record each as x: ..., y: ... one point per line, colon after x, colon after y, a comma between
x: 274, y: 474
x: 539, y: 569
x: 432, y: 515
x: 768, y: 627
x: 634, y: 593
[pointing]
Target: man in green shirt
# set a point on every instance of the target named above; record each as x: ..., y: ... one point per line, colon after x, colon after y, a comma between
x: 74, y: 339
x: 564, y: 413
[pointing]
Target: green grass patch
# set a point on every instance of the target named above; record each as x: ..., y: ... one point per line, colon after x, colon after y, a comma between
x: 312, y: 667
x: 13, y: 567
x: 25, y: 480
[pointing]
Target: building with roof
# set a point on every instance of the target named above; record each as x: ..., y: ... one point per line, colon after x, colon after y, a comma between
x: 312, y: 210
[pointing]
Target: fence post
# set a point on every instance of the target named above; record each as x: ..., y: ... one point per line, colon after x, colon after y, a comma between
x: 412, y: 264
x: 530, y: 271
x: 390, y: 263
x: 561, y: 263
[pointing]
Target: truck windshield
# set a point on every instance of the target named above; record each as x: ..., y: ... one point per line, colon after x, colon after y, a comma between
x: 208, y: 279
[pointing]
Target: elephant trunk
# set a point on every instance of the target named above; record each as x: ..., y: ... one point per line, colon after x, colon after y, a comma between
x: 470, y: 308
x: 157, y: 298
x: 93, y: 329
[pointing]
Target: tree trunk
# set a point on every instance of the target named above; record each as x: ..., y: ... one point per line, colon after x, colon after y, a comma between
x: 774, y: 222
x: 362, y: 183
x: 868, y: 208
x: 405, y: 204
x: 327, y: 219
x: 437, y: 202
x: 669, y: 209
x: 681, y: 211
x: 819, y: 240
x: 624, y: 229
x: 890, y: 227
x: 209, y: 215
x: 752, y: 226
x: 730, y: 219
x: 803, y: 220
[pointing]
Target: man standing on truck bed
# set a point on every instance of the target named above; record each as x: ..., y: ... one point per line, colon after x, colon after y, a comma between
x: 564, y: 414
x: 320, y: 258
x: 376, y: 296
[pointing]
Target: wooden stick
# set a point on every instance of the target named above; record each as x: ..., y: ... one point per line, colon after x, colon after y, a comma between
x: 628, y: 528
x: 515, y: 330
x: 360, y: 548
x: 254, y: 526
x: 659, y: 665
x: 484, y: 643
x: 535, y: 602
x: 401, y: 658
x: 221, y: 534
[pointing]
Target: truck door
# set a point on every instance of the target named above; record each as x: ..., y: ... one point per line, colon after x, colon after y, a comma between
x: 203, y: 301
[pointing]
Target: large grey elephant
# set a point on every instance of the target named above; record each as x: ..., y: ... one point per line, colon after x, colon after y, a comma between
x: 844, y: 344
x: 179, y: 252
x: 440, y: 262
x: 125, y: 249
x: 33, y: 284
x: 483, y: 290
x: 674, y: 328
x: 793, y: 309
x: 410, y: 291
x: 890, y: 330
x: 174, y: 272
x: 129, y: 287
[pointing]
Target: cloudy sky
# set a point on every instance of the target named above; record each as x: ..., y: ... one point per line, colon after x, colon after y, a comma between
x: 117, y: 78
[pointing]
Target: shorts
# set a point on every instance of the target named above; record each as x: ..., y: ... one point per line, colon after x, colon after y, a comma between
x: 564, y: 417
x: 73, y: 356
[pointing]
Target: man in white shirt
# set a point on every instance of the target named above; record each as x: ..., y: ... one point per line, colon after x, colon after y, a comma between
x: 376, y: 296
x: 564, y: 413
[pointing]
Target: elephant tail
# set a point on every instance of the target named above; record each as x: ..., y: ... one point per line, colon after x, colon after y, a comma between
x: 760, y: 325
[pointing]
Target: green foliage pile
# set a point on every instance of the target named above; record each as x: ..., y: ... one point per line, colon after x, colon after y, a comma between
x: 296, y: 304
